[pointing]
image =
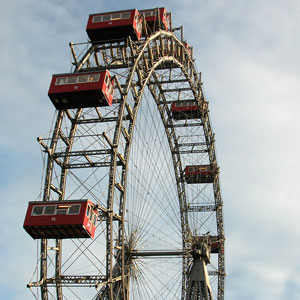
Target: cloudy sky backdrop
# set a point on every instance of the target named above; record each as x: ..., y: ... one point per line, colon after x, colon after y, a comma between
x: 248, y: 53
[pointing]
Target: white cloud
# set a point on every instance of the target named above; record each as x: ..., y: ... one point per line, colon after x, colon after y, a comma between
x: 249, y: 56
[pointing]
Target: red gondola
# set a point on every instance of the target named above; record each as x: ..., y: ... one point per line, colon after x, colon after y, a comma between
x: 216, y: 247
x: 151, y: 16
x: 61, y: 219
x: 114, y: 25
x: 78, y: 90
x: 182, y: 110
x: 199, y: 174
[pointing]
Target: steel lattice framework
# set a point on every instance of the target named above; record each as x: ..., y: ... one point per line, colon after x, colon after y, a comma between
x: 130, y: 159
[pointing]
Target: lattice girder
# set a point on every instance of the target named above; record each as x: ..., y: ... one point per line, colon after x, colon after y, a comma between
x: 162, y: 64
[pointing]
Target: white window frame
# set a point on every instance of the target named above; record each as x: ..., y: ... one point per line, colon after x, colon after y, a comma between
x: 37, y: 206
x: 74, y: 214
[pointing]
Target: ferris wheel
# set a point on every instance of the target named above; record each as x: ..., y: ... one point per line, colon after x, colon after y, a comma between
x: 131, y: 153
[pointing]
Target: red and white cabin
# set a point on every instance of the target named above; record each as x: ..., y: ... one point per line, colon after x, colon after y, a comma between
x: 79, y: 90
x: 114, y: 25
x: 199, y: 174
x: 187, y: 109
x: 151, y: 18
x: 61, y: 219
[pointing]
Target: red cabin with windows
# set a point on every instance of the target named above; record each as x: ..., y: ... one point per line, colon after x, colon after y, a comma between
x: 187, y: 109
x: 114, y: 25
x: 199, y: 174
x: 78, y: 90
x: 151, y: 18
x: 61, y: 219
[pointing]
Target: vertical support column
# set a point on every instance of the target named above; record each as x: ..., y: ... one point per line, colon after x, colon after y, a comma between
x: 112, y: 271
x: 58, y: 257
x: 198, y: 282
x: 50, y: 160
x: 44, y: 290
x: 198, y: 285
x: 64, y: 171
x: 44, y: 242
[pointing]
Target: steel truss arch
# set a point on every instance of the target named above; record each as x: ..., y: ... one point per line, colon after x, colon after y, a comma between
x: 93, y: 142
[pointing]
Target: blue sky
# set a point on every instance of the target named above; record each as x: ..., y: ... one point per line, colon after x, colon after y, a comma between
x: 248, y: 53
